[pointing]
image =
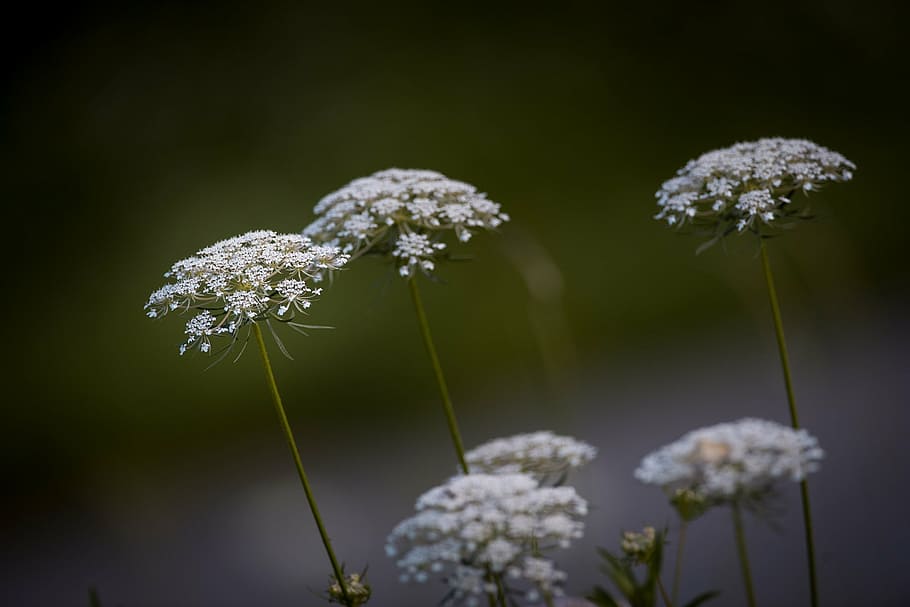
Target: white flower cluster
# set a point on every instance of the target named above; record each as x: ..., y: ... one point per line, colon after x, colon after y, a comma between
x: 402, y: 213
x: 260, y: 275
x: 543, y: 455
x: 726, y: 462
x: 748, y: 185
x: 480, y: 527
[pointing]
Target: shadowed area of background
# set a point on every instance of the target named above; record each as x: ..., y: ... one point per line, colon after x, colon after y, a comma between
x: 134, y: 135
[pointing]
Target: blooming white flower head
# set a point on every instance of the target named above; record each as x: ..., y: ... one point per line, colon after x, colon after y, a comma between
x: 478, y: 525
x: 543, y: 455
x: 732, y: 461
x: 403, y: 213
x: 748, y: 186
x: 259, y: 276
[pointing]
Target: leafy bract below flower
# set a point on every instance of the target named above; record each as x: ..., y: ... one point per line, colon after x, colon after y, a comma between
x: 357, y: 590
x: 404, y: 214
x: 732, y: 461
x: 748, y: 185
x: 478, y: 525
x: 259, y: 276
x: 543, y: 455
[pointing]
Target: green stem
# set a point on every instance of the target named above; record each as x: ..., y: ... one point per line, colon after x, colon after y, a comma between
x: 810, y: 542
x: 779, y: 331
x: 743, y: 556
x: 289, y: 436
x: 663, y: 592
x: 500, y: 591
x: 791, y: 401
x: 440, y: 378
x: 677, y: 566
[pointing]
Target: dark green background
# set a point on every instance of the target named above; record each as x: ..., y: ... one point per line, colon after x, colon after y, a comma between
x: 135, y: 134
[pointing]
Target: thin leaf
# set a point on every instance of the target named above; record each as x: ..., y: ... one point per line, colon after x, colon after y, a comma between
x: 706, y: 245
x: 297, y: 324
x: 602, y: 598
x: 242, y: 348
x: 278, y: 340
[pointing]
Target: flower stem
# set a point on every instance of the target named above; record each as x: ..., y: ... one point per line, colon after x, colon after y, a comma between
x: 663, y: 592
x: 794, y: 420
x: 677, y: 566
x: 440, y: 378
x: 500, y: 591
x: 743, y: 556
x: 292, y: 444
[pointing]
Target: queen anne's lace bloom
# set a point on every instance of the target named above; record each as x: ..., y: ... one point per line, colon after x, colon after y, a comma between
x: 543, y: 455
x: 402, y: 213
x: 748, y: 185
x: 259, y: 276
x: 478, y: 524
x: 730, y: 461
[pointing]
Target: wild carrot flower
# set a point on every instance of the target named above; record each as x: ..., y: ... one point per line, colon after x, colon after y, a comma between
x: 748, y: 186
x: 479, y: 528
x: 730, y: 461
x: 403, y: 213
x: 543, y: 455
x: 258, y: 276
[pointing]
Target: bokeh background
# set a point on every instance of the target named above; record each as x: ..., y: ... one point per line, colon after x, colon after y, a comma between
x: 134, y: 134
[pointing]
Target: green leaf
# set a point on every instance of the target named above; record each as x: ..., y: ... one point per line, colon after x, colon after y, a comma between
x: 704, y: 597
x: 602, y: 598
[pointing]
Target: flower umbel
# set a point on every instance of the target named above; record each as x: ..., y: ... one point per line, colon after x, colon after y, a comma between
x: 402, y: 213
x: 479, y: 525
x: 748, y: 186
x: 731, y: 461
x: 258, y: 276
x: 543, y: 455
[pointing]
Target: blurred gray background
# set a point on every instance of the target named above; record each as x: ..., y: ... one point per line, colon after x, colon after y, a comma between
x: 135, y: 134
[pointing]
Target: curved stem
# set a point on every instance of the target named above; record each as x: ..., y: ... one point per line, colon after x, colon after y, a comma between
x: 743, y: 556
x: 440, y: 378
x: 292, y: 444
x: 791, y: 401
x: 677, y: 566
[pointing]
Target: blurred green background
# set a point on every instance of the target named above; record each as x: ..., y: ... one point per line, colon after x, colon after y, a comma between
x: 134, y: 134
